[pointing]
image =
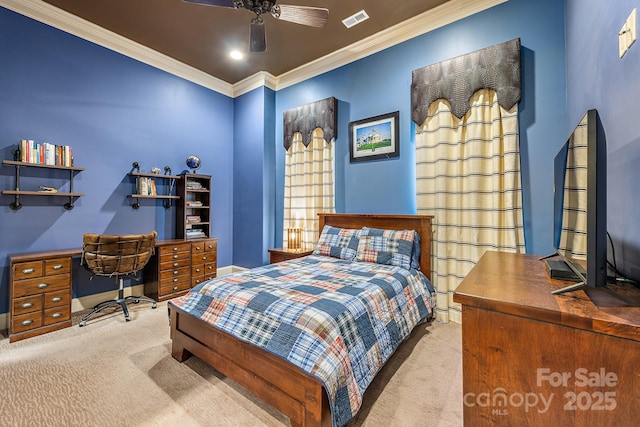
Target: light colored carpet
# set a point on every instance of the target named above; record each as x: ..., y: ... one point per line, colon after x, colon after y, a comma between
x: 117, y: 373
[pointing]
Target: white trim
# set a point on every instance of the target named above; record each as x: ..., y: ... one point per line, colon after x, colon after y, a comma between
x: 437, y: 17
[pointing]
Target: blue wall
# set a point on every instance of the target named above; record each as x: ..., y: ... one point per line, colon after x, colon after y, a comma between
x: 112, y: 110
x: 598, y: 78
x: 253, y: 209
x: 381, y: 83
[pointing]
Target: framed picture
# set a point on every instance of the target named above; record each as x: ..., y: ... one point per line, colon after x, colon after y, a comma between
x: 374, y: 138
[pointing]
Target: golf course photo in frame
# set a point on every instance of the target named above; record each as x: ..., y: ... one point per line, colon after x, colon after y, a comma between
x: 374, y: 138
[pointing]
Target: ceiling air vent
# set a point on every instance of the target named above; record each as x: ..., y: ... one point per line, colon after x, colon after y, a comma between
x: 355, y: 19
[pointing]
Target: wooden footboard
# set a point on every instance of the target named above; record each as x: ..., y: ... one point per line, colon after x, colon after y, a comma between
x: 280, y: 384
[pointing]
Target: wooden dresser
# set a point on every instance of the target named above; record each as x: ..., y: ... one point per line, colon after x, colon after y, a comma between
x: 531, y: 358
x: 40, y: 293
x: 178, y: 265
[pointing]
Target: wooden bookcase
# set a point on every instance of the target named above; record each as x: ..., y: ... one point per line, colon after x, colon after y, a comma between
x: 194, y: 207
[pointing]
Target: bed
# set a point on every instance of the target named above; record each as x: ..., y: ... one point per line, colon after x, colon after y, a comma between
x: 300, y: 395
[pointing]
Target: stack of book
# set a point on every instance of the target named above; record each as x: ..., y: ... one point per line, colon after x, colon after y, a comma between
x: 45, y: 153
x: 193, y: 203
x: 194, y: 185
x: 195, y: 233
x: 146, y: 186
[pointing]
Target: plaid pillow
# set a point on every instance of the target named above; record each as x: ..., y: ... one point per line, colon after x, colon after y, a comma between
x: 391, y: 247
x: 338, y: 243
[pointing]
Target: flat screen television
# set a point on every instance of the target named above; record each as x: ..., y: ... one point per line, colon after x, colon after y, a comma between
x: 580, y: 207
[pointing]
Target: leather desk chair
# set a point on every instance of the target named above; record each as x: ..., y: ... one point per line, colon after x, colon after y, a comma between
x: 117, y: 256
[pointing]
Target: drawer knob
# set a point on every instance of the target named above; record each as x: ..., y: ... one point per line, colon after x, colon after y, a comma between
x: 175, y: 280
x: 27, y: 305
x: 175, y: 273
x: 175, y: 249
x: 175, y: 264
x: 197, y: 280
x: 197, y: 248
x: 175, y: 288
x: 204, y: 258
x: 56, y: 315
x: 56, y: 299
x: 26, y: 322
x: 175, y: 257
x: 57, y: 266
x: 210, y: 246
x: 28, y: 270
x: 209, y: 268
x: 197, y: 270
x: 43, y: 285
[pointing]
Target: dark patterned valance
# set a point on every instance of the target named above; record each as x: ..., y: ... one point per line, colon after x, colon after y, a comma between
x: 456, y: 80
x: 304, y: 119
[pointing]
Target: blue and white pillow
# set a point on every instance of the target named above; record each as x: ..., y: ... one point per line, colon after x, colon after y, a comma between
x: 390, y: 247
x: 338, y: 243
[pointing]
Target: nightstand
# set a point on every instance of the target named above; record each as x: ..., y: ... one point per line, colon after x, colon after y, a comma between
x: 283, y: 254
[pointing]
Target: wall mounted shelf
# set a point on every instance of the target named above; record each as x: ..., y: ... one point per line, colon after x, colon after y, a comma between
x: 153, y: 176
x: 16, y: 204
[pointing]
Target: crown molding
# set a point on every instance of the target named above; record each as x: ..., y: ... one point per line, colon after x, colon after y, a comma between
x: 62, y: 20
x: 445, y: 14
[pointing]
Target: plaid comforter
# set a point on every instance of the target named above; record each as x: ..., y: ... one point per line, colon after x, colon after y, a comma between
x: 339, y: 321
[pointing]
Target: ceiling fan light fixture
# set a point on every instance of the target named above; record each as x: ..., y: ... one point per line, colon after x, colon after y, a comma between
x: 236, y: 54
x: 355, y: 19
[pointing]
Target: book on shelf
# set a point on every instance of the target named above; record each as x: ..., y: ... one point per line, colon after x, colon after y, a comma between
x: 194, y: 185
x: 45, y: 153
x: 193, y: 203
x: 195, y: 233
x: 146, y: 186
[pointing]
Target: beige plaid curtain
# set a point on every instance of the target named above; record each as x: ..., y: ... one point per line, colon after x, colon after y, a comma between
x: 308, y: 186
x: 573, y: 237
x: 468, y: 177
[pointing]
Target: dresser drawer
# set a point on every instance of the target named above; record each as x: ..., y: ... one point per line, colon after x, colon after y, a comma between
x: 169, y: 287
x: 174, y: 256
x: 57, y: 266
x: 25, y: 322
x: 26, y: 270
x: 40, y: 285
x: 56, y: 315
x: 175, y: 263
x: 176, y: 272
x: 202, y: 258
x: 57, y: 299
x: 174, y: 249
x: 27, y: 304
x: 211, y: 245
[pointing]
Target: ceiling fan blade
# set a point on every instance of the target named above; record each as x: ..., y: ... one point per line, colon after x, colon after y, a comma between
x: 305, y: 15
x: 223, y: 3
x: 258, y: 42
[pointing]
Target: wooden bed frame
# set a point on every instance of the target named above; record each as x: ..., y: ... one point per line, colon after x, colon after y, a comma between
x: 282, y: 385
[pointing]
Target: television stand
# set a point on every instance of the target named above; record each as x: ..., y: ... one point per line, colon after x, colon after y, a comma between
x: 518, y: 339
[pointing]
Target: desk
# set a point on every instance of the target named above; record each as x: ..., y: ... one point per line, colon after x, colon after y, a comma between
x: 40, y: 283
x: 531, y: 358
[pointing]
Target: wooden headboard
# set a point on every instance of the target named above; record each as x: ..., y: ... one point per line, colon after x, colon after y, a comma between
x: 420, y: 223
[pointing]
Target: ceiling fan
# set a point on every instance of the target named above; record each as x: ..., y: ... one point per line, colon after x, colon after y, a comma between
x: 305, y: 15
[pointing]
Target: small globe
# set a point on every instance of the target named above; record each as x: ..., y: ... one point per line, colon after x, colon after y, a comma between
x: 193, y: 163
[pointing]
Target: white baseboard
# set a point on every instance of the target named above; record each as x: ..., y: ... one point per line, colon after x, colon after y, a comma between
x: 89, y: 301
